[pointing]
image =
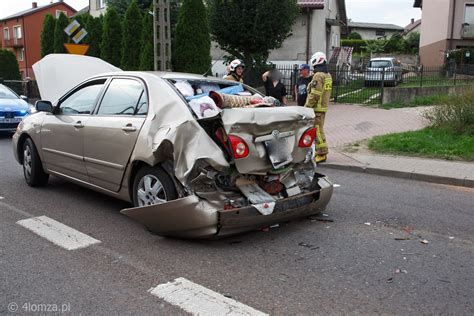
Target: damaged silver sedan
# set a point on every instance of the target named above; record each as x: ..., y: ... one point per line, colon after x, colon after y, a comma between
x: 198, y: 157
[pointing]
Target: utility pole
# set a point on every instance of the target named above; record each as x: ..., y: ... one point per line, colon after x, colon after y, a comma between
x: 161, y: 35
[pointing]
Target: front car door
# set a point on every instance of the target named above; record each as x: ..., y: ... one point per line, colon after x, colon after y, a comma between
x: 110, y: 135
x: 62, y: 131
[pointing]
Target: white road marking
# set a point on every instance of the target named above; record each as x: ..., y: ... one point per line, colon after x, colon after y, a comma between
x: 372, y: 97
x: 58, y: 233
x: 198, y: 300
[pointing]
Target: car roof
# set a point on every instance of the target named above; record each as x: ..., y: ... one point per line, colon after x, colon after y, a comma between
x: 382, y: 58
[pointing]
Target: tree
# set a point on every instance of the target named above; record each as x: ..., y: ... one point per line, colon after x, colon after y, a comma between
x: 94, y: 35
x: 146, y: 55
x: 193, y: 43
x: 60, y: 37
x: 132, y: 32
x: 355, y: 36
x: 9, y: 69
x: 121, y: 6
x: 47, y: 35
x: 249, y: 29
x: 110, y: 47
x: 413, y: 41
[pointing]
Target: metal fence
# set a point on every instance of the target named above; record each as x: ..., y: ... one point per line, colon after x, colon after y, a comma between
x: 367, y: 86
x: 27, y: 88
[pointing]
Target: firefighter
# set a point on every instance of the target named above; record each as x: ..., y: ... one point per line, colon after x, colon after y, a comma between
x: 236, y: 71
x: 319, y: 93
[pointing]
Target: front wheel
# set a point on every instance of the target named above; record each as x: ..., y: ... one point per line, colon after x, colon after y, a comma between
x: 32, y: 167
x: 152, y: 185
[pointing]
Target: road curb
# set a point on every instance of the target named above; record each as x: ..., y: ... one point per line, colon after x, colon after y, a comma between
x: 403, y: 174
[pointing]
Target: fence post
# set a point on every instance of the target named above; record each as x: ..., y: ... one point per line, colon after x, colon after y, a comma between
x: 421, y: 76
x: 337, y: 86
x: 455, y: 69
x: 294, y: 80
x: 382, y: 85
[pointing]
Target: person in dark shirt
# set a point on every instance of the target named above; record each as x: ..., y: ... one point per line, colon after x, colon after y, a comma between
x: 273, y: 86
x: 302, y: 84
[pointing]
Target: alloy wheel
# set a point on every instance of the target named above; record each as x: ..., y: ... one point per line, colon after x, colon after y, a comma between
x: 27, y: 162
x: 150, y: 191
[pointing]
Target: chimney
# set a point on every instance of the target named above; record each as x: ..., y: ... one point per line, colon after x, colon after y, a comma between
x: 34, y: 5
x: 412, y: 20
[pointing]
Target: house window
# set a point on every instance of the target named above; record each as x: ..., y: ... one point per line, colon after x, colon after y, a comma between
x: 21, y: 54
x: 100, y: 4
x: 17, y: 31
x: 6, y: 34
x: 380, y: 32
x: 469, y: 14
x: 58, y: 13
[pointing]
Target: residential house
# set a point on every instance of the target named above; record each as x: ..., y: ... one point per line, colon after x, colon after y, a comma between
x: 21, y: 32
x: 97, y: 7
x: 371, y: 31
x: 446, y: 25
x: 319, y: 27
x: 413, y: 27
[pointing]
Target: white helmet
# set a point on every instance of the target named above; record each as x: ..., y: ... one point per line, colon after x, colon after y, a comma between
x: 318, y: 58
x: 234, y: 64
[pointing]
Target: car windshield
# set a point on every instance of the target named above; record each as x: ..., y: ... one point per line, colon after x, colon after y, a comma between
x: 6, y: 93
x: 380, y: 64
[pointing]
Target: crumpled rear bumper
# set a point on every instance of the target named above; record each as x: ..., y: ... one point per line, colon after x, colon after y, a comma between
x: 191, y: 217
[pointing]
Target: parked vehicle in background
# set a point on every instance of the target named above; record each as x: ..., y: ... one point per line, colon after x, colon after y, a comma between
x: 13, y: 108
x: 389, y: 68
x: 195, y: 155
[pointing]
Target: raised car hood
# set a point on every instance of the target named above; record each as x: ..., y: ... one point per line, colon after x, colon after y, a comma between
x: 56, y: 74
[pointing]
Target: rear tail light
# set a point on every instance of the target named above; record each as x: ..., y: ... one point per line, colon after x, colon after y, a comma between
x: 307, y: 138
x: 239, y: 147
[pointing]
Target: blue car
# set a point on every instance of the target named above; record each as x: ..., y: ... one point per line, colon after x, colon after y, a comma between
x: 13, y: 109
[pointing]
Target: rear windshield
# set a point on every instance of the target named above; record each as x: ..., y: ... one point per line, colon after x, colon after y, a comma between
x: 196, y: 92
x: 380, y: 64
x: 6, y: 93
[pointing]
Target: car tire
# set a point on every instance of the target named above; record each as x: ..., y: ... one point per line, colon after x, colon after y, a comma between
x: 32, y: 166
x: 160, y: 187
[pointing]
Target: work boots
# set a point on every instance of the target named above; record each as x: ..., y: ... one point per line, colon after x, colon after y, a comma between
x: 320, y: 158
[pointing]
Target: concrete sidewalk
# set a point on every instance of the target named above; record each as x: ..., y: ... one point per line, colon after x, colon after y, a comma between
x: 347, y: 124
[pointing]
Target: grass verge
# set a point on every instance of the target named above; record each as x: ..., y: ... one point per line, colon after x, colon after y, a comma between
x: 418, y: 101
x: 443, y: 143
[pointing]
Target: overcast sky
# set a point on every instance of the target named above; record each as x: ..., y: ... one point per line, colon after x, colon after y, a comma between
x: 397, y: 12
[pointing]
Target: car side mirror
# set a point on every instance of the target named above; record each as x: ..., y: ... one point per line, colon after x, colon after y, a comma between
x: 44, y: 106
x: 24, y: 98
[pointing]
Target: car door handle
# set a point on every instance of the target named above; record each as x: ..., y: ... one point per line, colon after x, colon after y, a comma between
x: 78, y: 124
x: 129, y: 128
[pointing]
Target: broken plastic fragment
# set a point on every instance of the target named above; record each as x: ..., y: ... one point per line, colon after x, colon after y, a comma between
x: 368, y: 224
x: 424, y: 241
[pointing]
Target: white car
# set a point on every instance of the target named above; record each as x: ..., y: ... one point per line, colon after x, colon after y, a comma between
x: 387, y: 67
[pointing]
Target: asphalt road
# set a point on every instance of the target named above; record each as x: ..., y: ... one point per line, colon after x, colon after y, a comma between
x: 368, y: 257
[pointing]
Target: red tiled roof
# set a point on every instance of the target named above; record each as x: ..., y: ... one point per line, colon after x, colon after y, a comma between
x: 312, y: 4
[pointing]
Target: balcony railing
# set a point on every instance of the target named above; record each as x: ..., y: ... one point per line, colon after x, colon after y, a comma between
x: 13, y: 42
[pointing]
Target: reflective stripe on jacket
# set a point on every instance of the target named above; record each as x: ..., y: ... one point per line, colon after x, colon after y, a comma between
x: 319, y: 92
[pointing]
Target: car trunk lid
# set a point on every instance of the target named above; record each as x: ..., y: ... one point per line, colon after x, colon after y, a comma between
x: 272, y: 135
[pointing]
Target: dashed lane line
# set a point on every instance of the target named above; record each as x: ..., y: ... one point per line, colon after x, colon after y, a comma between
x: 58, y: 233
x: 198, y: 300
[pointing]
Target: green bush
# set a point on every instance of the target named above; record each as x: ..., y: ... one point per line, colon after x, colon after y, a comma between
x: 47, y: 35
x: 356, y: 43
x: 355, y: 36
x: 9, y: 69
x: 60, y: 37
x: 457, y: 113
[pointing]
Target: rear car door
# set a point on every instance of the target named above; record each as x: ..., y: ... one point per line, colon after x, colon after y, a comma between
x: 62, y: 132
x: 110, y: 135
